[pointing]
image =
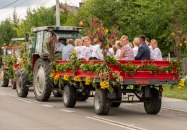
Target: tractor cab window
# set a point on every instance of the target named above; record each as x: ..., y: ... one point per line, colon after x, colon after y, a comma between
x: 45, y: 40
x: 38, y: 43
x: 68, y: 35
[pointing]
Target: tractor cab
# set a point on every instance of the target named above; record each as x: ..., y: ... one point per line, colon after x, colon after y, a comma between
x: 43, y: 35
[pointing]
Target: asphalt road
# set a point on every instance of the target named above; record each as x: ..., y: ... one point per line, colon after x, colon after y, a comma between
x: 29, y: 114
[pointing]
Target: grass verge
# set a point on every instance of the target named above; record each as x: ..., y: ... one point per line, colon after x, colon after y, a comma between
x: 175, y: 92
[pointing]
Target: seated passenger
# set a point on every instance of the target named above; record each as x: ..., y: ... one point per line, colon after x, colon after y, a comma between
x: 58, y: 45
x: 111, y: 50
x: 78, y: 47
x: 135, y: 43
x: 66, y: 52
x: 119, y: 47
x: 126, y: 52
x: 97, y: 53
x: 156, y: 54
x: 87, y: 49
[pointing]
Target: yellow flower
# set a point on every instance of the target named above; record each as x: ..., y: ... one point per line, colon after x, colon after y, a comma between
x: 88, y: 81
x: 172, y: 33
x: 66, y: 77
x: 57, y: 77
x: 181, y: 83
x: 106, y: 30
x: 180, y: 44
x: 73, y: 52
x: 104, y: 85
x: 24, y: 55
x: 185, y: 42
x: 52, y: 75
x: 77, y: 79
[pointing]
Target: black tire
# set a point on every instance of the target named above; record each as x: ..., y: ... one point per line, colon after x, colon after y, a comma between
x: 21, y: 82
x: 5, y: 80
x: 82, y: 96
x: 13, y: 83
x: 101, y: 102
x: 41, y: 80
x: 69, y: 96
x: 154, y: 104
x: 116, y: 104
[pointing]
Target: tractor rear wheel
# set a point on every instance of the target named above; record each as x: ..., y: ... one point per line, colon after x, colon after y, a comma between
x: 41, y: 80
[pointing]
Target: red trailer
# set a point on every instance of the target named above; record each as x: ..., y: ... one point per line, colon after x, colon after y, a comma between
x: 141, y: 82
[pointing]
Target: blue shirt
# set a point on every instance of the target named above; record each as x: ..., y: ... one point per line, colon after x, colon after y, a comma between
x: 66, y: 52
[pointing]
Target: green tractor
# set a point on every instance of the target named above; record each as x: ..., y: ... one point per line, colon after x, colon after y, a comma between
x: 40, y: 62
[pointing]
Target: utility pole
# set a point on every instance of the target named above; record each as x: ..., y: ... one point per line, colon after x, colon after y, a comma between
x: 57, y: 13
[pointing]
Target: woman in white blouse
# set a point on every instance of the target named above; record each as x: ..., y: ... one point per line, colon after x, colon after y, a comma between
x: 135, y: 43
x: 86, y: 49
x: 78, y: 47
x: 156, y: 54
x: 97, y: 51
x: 119, y: 47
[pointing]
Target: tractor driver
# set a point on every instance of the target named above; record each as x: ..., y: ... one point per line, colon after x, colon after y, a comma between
x: 58, y: 47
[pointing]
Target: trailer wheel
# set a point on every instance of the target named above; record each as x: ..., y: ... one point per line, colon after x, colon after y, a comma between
x: 21, y: 83
x: 82, y: 97
x: 101, y: 102
x: 13, y: 83
x: 41, y: 80
x: 116, y: 104
x: 154, y: 104
x: 69, y: 96
x: 4, y: 80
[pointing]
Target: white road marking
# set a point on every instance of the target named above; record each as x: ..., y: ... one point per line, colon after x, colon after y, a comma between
x: 7, y: 94
x: 46, y: 105
x: 65, y: 110
x: 115, y: 123
x: 3, y: 94
x: 27, y: 101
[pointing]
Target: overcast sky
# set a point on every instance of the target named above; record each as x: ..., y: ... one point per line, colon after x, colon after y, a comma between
x: 7, y: 6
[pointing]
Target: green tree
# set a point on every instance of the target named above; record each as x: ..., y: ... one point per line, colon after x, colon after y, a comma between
x: 6, y: 31
x: 36, y: 17
x: 135, y: 17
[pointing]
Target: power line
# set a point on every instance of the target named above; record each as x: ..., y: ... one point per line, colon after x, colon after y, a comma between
x: 18, y: 5
x: 9, y: 4
x: 14, y: 7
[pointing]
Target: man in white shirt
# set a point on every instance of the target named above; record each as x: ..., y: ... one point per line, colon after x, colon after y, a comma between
x: 156, y: 54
